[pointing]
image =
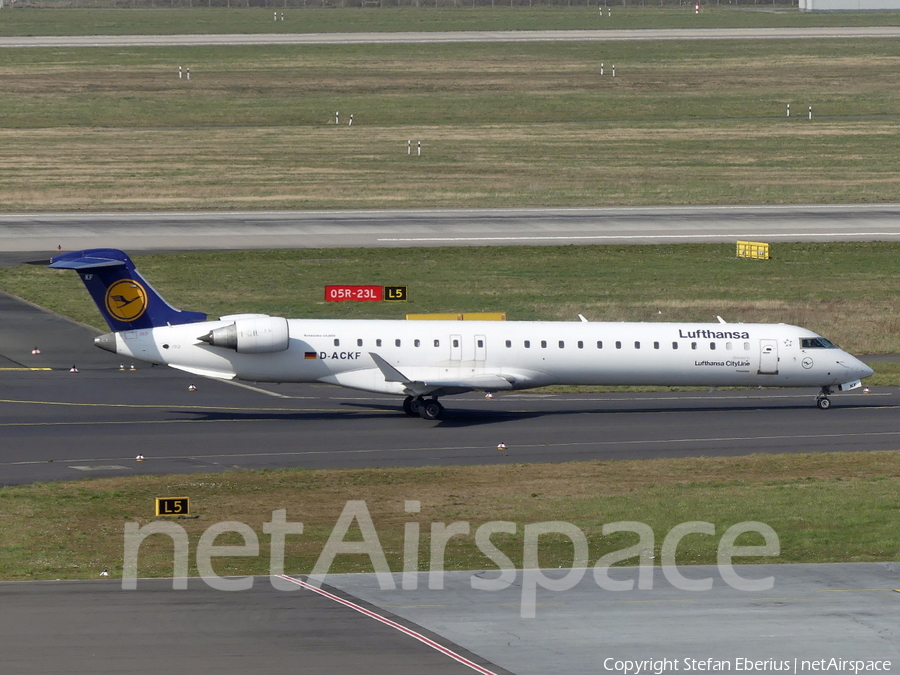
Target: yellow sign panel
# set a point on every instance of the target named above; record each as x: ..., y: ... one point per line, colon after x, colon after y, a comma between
x: 395, y: 294
x: 753, y: 249
x: 173, y: 506
x: 470, y: 316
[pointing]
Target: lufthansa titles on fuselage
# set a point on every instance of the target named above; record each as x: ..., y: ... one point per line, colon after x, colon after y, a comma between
x: 714, y: 334
x: 739, y: 363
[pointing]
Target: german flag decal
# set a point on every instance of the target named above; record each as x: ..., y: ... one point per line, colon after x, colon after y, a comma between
x: 309, y: 355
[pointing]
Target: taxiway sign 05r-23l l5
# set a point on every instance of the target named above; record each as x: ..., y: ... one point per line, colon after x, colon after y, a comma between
x: 424, y: 360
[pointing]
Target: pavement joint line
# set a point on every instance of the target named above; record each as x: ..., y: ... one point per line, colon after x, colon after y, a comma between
x: 393, y: 624
x: 361, y: 451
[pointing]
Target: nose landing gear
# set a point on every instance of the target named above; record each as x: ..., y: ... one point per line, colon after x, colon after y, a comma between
x: 822, y: 400
x: 417, y: 406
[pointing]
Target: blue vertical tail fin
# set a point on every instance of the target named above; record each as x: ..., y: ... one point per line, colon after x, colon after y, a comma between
x: 123, y: 296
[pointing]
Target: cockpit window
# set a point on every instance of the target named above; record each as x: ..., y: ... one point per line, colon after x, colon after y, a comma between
x: 816, y: 343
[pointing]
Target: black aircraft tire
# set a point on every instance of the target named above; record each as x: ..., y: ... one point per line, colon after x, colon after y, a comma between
x: 823, y: 403
x: 432, y: 410
x: 408, y: 408
x: 416, y: 406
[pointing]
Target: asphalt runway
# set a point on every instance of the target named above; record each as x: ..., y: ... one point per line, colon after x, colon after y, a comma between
x: 96, y: 627
x: 60, y: 425
x: 41, y: 235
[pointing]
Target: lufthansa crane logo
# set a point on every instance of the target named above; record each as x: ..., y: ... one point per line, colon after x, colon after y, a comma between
x: 126, y: 300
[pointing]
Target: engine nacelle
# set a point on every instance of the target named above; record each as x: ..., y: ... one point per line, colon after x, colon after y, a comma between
x: 258, y: 335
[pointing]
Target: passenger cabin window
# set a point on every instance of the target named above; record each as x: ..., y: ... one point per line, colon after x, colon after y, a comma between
x: 543, y: 344
x: 437, y: 343
x: 359, y: 342
x: 396, y: 343
x: 527, y: 344
x: 655, y: 345
x: 728, y: 346
x: 747, y: 346
x: 337, y: 343
x: 416, y: 343
x: 599, y: 344
x: 816, y: 343
x: 693, y: 345
x: 674, y: 345
x: 618, y: 345
x: 637, y: 345
x: 580, y: 344
x: 712, y: 345
x: 378, y: 342
x: 562, y: 344
x: 509, y: 343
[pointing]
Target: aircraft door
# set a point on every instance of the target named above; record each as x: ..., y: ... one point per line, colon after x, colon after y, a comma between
x: 456, y: 348
x: 768, y: 357
x: 480, y: 348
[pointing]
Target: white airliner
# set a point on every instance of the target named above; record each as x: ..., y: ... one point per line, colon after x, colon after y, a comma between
x: 424, y: 360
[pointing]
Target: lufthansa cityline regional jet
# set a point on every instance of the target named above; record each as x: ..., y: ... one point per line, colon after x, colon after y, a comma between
x: 424, y: 360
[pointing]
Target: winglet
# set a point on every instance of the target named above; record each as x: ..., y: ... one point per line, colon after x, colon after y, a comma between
x: 583, y: 320
x: 390, y: 373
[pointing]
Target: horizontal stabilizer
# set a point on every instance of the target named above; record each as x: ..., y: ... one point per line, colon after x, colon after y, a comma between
x: 86, y: 263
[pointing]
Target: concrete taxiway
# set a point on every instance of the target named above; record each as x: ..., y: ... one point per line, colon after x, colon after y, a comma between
x: 812, y: 612
x: 606, y: 35
x: 44, y: 233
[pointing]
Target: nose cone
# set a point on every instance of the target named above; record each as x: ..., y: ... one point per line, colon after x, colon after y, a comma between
x: 860, y: 369
x: 106, y: 341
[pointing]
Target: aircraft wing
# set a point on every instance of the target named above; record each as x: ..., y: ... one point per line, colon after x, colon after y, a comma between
x: 424, y: 386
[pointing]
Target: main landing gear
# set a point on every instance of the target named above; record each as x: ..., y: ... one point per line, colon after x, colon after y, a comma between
x: 822, y: 400
x: 429, y: 410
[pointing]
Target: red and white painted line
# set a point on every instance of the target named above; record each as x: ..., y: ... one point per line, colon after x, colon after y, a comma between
x: 393, y: 624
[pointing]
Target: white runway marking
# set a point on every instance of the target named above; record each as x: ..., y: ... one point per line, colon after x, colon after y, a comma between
x: 393, y: 624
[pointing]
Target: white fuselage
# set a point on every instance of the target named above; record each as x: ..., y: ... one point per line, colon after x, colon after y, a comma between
x: 494, y: 355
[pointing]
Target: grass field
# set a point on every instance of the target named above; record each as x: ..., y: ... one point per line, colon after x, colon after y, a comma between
x: 824, y: 508
x: 501, y: 125
x: 847, y: 292
x: 162, y: 21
